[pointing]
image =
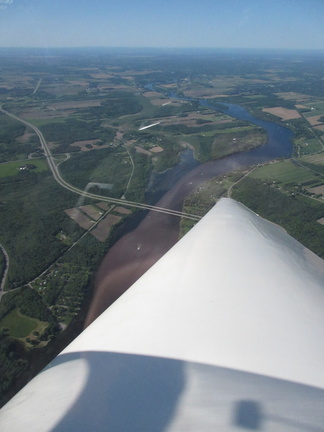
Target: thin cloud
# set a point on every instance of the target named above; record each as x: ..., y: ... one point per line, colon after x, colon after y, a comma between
x: 5, y: 3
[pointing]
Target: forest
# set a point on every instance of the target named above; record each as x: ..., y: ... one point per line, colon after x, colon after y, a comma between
x: 30, y: 237
x: 110, y: 166
x: 115, y: 105
x: 72, y: 130
x: 10, y: 148
x: 295, y: 214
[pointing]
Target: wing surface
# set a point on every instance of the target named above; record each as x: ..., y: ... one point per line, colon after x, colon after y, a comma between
x: 225, y: 332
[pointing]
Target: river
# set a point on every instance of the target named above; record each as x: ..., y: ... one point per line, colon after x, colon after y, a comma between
x: 136, y: 251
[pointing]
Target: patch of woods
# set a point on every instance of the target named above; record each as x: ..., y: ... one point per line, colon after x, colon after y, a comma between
x: 13, y: 362
x: 223, y: 144
x: 10, y: 148
x: 163, y: 160
x: 113, y: 106
x: 2, y: 264
x: 29, y: 302
x: 301, y: 129
x: 140, y: 178
x: 176, y: 110
x: 71, y: 130
x: 31, y: 215
x: 107, y: 166
x: 295, y: 214
x: 169, y: 157
x: 64, y: 287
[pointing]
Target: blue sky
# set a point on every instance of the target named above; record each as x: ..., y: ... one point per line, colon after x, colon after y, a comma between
x: 164, y: 23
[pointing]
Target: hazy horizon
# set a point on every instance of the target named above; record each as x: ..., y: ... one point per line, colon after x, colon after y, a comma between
x: 219, y: 24
x: 159, y: 48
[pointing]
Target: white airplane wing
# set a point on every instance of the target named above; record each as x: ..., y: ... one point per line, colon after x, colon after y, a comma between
x: 224, y: 333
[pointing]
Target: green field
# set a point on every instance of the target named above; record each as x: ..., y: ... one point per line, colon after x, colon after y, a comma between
x: 12, y: 168
x: 284, y: 172
x: 318, y: 111
x: 309, y: 146
x: 236, y: 130
x: 20, y: 326
x: 317, y: 105
x: 256, y: 96
x: 38, y: 122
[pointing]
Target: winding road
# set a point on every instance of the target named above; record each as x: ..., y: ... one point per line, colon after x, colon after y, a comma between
x: 57, y: 176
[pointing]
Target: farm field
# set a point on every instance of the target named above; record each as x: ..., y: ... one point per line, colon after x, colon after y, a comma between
x: 21, y: 325
x: 283, y: 113
x: 294, y: 96
x: 92, y: 211
x: 309, y: 146
x: 317, y: 109
x: 318, y: 105
x: 102, y: 230
x: 317, y: 190
x: 80, y: 218
x: 317, y: 159
x: 9, y: 169
x: 285, y: 172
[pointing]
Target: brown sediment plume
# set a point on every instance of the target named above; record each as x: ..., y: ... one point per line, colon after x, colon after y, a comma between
x: 138, y: 250
x: 131, y: 257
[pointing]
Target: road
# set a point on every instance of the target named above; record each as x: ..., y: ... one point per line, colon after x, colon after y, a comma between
x: 133, y: 169
x: 67, y: 250
x: 314, y: 134
x: 4, y: 277
x: 57, y: 176
x: 229, y: 192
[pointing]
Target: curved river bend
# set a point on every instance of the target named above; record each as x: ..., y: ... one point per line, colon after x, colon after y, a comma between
x: 137, y: 251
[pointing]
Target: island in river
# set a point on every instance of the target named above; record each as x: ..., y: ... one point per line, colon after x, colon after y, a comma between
x: 214, y: 121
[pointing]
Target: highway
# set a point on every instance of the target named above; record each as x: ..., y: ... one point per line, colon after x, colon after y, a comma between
x: 57, y: 176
